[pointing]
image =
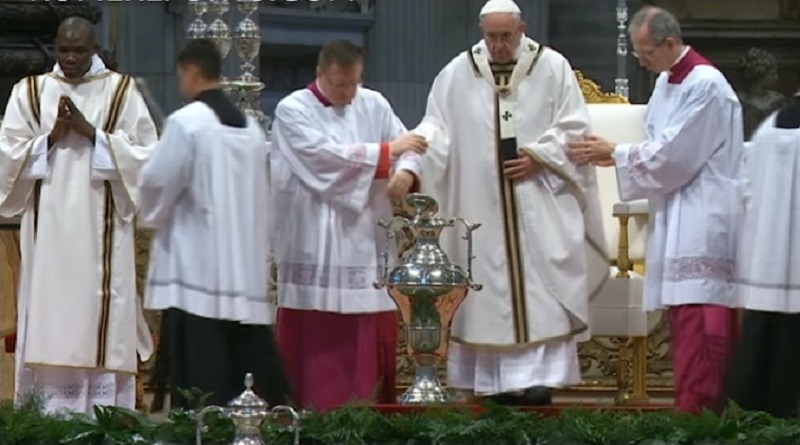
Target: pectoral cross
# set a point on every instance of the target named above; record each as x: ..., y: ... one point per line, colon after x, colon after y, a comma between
x: 506, y: 116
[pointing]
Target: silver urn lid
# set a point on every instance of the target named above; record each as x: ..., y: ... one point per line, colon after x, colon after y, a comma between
x: 248, y: 400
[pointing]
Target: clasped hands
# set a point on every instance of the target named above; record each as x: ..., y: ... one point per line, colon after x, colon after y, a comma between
x: 592, y: 150
x: 69, y: 118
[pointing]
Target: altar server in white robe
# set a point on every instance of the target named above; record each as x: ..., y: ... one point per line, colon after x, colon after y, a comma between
x: 689, y: 170
x: 338, y: 154
x: 763, y: 374
x: 205, y: 191
x: 71, y: 146
x: 497, y: 122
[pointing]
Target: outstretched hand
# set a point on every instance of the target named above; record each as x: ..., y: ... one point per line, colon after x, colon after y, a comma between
x: 408, y: 142
x: 592, y: 150
x: 400, y: 184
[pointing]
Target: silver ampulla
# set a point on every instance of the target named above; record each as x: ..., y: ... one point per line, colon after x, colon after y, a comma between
x: 427, y: 289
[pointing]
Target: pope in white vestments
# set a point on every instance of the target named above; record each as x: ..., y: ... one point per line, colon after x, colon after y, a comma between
x: 338, y: 154
x: 763, y: 374
x: 689, y: 170
x: 497, y: 122
x: 71, y: 146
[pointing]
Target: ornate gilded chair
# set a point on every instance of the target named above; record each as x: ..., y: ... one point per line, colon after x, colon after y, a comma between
x: 616, y: 316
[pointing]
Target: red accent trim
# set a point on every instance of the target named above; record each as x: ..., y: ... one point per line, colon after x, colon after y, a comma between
x: 681, y: 70
x: 384, y: 162
x: 314, y: 88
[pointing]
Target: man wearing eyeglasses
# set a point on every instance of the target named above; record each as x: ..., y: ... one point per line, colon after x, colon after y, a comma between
x: 688, y: 169
x: 339, y: 154
x: 498, y: 119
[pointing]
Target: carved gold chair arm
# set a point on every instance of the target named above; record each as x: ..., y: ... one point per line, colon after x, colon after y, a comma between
x: 623, y: 211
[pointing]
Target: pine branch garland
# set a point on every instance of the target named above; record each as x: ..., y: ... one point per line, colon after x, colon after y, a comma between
x: 27, y: 425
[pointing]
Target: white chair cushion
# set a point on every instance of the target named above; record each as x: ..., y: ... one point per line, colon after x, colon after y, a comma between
x: 621, y: 123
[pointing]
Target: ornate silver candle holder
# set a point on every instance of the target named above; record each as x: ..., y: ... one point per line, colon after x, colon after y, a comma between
x: 247, y: 40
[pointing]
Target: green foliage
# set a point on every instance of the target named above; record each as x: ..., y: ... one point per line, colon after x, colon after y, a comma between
x: 27, y: 425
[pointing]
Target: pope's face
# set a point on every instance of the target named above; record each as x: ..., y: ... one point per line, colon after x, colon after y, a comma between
x: 502, y: 33
x: 654, y: 56
x: 340, y: 83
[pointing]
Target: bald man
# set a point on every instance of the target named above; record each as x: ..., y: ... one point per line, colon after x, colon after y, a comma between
x: 71, y: 146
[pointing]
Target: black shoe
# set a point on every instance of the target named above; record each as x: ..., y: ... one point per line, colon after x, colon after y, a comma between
x: 538, y: 396
x: 506, y: 399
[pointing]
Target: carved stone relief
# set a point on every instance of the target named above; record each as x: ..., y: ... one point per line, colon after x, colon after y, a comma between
x: 759, y: 71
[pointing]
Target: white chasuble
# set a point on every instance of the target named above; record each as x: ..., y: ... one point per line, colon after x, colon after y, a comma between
x: 539, y: 252
x: 689, y: 169
x: 327, y: 200
x: 78, y: 306
x: 768, y: 272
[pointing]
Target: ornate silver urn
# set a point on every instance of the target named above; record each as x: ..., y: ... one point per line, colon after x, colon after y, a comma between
x: 428, y: 289
x: 248, y: 412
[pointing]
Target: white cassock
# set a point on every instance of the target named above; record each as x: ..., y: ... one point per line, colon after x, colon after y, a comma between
x: 689, y: 170
x: 204, y: 218
x: 80, y: 322
x: 539, y: 253
x: 768, y: 271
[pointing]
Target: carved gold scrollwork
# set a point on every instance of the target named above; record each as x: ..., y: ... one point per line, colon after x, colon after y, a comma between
x: 143, y: 239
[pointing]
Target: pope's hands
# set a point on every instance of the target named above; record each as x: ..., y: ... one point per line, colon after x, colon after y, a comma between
x: 524, y: 167
x: 408, y: 142
x: 400, y: 184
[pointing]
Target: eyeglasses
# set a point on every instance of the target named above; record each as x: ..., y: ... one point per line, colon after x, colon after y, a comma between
x: 648, y: 53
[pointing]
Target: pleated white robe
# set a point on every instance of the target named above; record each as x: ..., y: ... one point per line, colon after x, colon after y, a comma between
x: 768, y: 269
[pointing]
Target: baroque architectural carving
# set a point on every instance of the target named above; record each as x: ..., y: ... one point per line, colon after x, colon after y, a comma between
x: 759, y: 73
x: 27, y: 30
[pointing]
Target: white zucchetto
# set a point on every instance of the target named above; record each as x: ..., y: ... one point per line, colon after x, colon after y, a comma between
x: 500, y: 7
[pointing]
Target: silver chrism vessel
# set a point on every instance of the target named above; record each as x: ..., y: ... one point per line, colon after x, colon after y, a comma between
x: 248, y: 413
x: 428, y: 289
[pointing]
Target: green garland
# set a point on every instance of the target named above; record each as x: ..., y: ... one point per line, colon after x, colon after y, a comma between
x: 26, y: 425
